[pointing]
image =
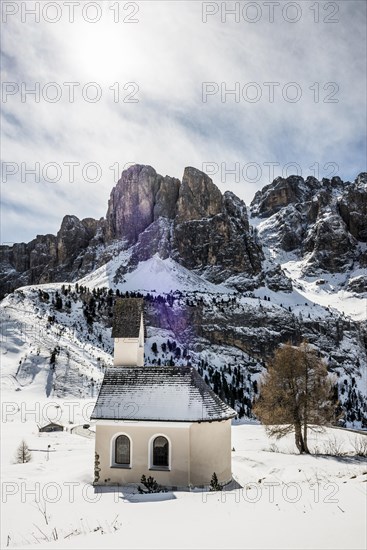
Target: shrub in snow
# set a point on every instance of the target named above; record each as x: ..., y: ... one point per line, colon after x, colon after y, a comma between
x: 214, y: 483
x: 360, y: 445
x: 97, y: 469
x: 151, y: 486
x: 334, y: 447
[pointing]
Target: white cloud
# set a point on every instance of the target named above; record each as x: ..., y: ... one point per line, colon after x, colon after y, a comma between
x: 169, y: 53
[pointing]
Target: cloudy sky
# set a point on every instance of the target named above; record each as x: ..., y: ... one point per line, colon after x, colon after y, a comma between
x: 150, y: 82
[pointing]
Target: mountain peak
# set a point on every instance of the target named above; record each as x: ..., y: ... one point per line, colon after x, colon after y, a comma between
x: 203, y: 230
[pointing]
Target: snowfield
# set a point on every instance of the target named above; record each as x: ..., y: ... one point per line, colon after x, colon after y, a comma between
x: 282, y: 500
x: 154, y: 275
x: 278, y: 500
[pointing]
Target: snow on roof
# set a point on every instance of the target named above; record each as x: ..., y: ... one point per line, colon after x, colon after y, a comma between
x: 176, y: 394
x: 44, y: 427
x: 127, y: 317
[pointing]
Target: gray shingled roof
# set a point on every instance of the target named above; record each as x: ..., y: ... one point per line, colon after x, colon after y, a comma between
x: 126, y: 317
x: 176, y: 394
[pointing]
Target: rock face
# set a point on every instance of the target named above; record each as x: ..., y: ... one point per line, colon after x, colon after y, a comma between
x: 140, y: 197
x: 192, y: 222
x: 189, y: 221
x: 322, y: 223
x: 219, y: 237
x: 281, y: 193
x: 73, y: 237
x: 353, y: 208
x: 198, y: 197
x: 48, y: 258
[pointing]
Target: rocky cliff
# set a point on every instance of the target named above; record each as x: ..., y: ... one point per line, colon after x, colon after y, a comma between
x: 321, y: 223
x: 48, y: 257
x: 189, y: 221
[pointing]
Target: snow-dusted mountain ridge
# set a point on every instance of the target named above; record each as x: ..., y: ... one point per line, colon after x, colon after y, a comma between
x: 190, y: 222
x: 323, y: 224
x: 225, y: 288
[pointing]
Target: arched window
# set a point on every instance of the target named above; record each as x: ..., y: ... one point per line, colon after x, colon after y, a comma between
x: 160, y: 451
x: 122, y: 450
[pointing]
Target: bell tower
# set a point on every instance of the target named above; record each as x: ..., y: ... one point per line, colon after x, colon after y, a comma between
x: 128, y: 332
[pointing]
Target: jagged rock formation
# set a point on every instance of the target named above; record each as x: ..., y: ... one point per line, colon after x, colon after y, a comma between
x: 189, y: 221
x: 48, y: 257
x: 140, y: 197
x: 192, y: 222
x: 322, y: 223
x: 353, y: 208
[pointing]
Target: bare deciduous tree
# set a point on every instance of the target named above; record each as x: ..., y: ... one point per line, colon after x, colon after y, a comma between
x: 23, y: 453
x: 295, y: 394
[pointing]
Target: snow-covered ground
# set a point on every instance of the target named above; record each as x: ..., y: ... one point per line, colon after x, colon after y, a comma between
x: 285, y: 500
x: 327, y: 290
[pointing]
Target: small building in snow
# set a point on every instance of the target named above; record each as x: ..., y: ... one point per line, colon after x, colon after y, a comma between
x: 163, y: 422
x: 51, y: 427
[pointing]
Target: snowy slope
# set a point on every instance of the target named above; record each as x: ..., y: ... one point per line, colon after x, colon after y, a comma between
x: 226, y: 336
x: 162, y: 276
x: 328, y: 290
x: 28, y: 338
x: 153, y: 275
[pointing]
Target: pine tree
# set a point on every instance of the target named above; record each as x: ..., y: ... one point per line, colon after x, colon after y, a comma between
x: 295, y: 394
x: 23, y: 453
x: 214, y: 483
x: 151, y: 486
x: 58, y: 302
x: 53, y: 357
